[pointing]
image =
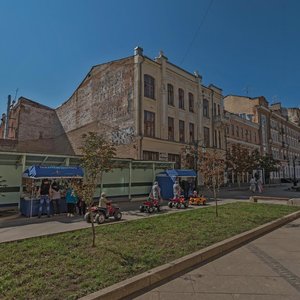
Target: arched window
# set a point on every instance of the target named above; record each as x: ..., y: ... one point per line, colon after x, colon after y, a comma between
x: 170, y: 94
x: 181, y: 98
x: 149, y: 86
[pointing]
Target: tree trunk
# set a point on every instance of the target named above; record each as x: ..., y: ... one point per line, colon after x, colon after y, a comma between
x: 94, y: 234
x: 216, y: 202
x: 93, y: 225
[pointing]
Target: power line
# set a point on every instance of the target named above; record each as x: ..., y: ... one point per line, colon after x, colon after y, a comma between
x: 197, y: 32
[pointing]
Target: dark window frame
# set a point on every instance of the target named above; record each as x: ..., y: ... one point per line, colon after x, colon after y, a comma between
x: 171, y: 129
x: 180, y: 98
x: 149, y: 86
x: 181, y: 127
x: 191, y: 102
x: 205, y: 108
x: 170, y: 94
x: 149, y: 123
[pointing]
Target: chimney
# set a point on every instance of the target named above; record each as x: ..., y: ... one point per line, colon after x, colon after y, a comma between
x: 138, y: 50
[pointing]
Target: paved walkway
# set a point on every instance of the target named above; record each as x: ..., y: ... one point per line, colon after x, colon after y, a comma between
x: 265, y: 269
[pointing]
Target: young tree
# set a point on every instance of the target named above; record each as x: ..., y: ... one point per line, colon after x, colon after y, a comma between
x: 239, y: 160
x: 268, y: 164
x: 97, y: 158
x: 212, y: 167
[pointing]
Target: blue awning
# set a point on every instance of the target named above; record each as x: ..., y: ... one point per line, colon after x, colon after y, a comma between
x: 53, y: 172
x: 181, y: 173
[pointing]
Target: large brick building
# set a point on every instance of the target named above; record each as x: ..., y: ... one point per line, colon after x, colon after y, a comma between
x: 149, y: 108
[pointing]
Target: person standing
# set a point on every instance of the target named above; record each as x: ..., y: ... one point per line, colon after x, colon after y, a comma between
x: 252, y: 185
x: 71, y: 200
x: 260, y: 186
x: 176, y: 189
x: 155, y: 191
x: 44, y: 193
x: 55, y: 197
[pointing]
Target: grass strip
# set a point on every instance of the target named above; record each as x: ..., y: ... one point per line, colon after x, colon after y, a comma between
x: 65, y: 266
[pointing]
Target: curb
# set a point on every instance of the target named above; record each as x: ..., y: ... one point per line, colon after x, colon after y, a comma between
x: 153, y: 276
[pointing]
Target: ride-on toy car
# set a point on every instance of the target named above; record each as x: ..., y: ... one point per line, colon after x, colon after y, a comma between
x: 197, y: 200
x: 100, y: 214
x: 178, y: 202
x: 150, y: 205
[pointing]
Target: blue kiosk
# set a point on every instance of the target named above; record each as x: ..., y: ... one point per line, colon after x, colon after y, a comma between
x: 167, y: 178
x: 29, y: 206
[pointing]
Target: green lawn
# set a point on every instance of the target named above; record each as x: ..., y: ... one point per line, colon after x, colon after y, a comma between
x: 65, y: 266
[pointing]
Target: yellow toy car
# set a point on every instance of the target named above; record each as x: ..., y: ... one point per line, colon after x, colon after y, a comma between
x: 197, y: 201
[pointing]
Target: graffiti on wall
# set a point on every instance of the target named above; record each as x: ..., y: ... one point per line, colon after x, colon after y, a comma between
x: 122, y: 136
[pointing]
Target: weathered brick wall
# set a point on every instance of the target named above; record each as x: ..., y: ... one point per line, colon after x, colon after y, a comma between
x: 103, y: 103
x: 8, y: 145
x: 39, y: 130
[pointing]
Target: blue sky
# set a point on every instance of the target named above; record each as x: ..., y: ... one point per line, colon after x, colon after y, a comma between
x: 246, y: 47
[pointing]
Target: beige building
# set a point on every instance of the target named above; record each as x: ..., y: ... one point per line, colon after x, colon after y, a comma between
x: 279, y: 136
x: 149, y: 108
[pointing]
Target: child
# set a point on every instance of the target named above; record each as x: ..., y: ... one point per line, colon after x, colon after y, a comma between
x: 195, y: 194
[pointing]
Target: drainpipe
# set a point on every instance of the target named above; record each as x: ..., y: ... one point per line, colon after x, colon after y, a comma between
x: 139, y: 59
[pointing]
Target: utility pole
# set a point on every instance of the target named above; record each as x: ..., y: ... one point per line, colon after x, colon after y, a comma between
x: 7, y: 117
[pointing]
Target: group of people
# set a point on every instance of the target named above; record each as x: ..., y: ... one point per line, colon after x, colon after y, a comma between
x: 186, y: 189
x: 256, y: 185
x: 50, y: 194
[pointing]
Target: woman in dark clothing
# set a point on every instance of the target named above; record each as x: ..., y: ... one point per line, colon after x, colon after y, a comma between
x: 44, y: 192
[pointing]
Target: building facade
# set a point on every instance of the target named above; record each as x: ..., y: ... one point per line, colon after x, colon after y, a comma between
x: 279, y: 135
x: 149, y: 108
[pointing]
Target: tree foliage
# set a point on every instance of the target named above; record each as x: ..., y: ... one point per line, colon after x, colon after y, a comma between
x: 211, y: 165
x: 97, y: 155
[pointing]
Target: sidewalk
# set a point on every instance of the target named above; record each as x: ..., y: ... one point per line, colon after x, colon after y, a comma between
x: 265, y: 269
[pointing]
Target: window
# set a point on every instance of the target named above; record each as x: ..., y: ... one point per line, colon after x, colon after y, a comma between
x: 149, y: 155
x: 206, y: 136
x: 237, y: 131
x: 191, y: 102
x: 170, y: 129
x: 215, y: 138
x: 215, y: 109
x: 181, y: 98
x: 192, y: 132
x: 227, y: 130
x: 242, y: 132
x: 205, y: 108
x: 170, y: 94
x: 149, y: 86
x: 149, y: 123
x: 175, y: 158
x: 219, y: 111
x: 220, y: 143
x: 232, y: 130
x: 181, y: 131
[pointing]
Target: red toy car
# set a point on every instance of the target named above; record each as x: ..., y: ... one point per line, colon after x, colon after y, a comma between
x: 150, y: 205
x: 178, y: 202
x: 100, y: 214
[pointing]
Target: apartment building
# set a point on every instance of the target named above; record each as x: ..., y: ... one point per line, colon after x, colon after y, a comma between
x: 279, y: 135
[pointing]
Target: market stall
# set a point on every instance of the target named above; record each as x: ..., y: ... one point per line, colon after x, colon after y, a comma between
x: 167, y: 178
x: 29, y: 203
